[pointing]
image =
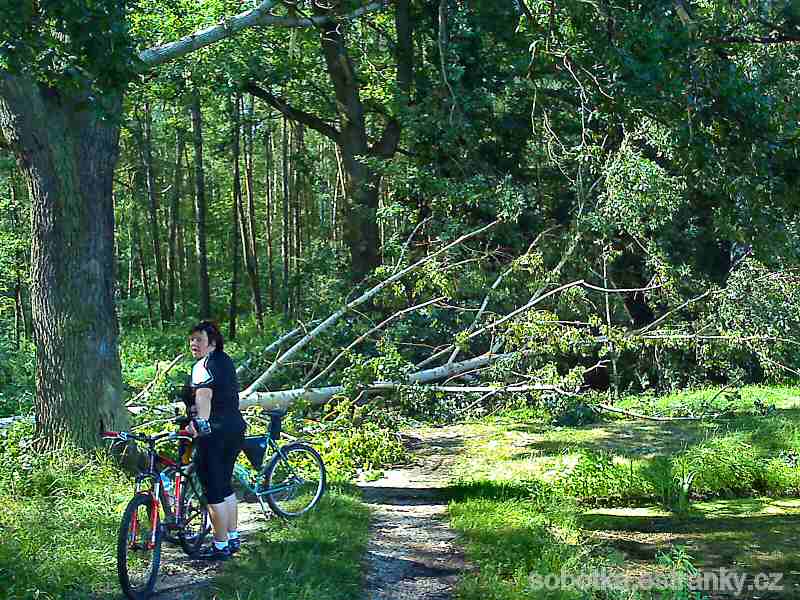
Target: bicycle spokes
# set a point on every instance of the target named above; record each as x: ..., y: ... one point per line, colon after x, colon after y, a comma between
x: 295, y: 480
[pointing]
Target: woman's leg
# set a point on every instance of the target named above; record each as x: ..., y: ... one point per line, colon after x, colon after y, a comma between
x: 220, y: 514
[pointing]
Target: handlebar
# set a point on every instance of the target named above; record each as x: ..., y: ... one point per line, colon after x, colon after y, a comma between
x: 125, y: 436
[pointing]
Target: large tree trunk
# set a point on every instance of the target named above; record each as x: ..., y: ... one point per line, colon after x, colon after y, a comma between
x: 67, y: 152
x: 200, y: 209
x: 361, y: 181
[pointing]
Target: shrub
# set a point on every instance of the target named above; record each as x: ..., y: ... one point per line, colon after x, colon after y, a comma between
x: 367, y: 447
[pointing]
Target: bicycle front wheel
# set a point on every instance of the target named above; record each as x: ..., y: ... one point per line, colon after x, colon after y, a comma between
x: 139, y: 548
x: 294, y: 480
x: 195, y: 524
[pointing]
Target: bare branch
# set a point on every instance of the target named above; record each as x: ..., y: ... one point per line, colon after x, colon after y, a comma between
x: 378, y: 327
x: 495, y: 285
x: 666, y: 315
x: 273, y: 346
x: 295, y: 114
x: 408, y: 242
x: 159, y: 376
x: 635, y: 415
x: 319, y: 396
x: 538, y: 299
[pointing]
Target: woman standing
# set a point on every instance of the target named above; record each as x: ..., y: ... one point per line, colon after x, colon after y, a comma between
x: 219, y: 429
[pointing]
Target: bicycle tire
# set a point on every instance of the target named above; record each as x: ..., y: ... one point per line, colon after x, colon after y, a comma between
x: 137, y: 563
x: 300, y: 469
x: 195, y: 524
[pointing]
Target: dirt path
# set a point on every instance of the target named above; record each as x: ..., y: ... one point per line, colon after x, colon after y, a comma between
x: 412, y: 553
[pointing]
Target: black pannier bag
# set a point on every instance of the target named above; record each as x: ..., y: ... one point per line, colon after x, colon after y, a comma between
x: 254, y: 448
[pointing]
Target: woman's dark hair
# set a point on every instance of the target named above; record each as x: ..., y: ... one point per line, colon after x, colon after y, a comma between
x: 212, y: 331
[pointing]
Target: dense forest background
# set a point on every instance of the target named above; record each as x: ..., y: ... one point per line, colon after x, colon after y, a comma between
x: 644, y: 152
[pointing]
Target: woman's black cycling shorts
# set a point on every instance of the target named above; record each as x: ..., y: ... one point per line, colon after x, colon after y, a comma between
x: 215, y: 458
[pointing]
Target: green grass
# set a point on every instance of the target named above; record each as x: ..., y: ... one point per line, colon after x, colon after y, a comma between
x: 60, y: 516
x: 58, y: 526
x: 629, y: 462
x: 713, y: 399
x: 527, y: 493
x: 509, y: 535
x: 315, y: 558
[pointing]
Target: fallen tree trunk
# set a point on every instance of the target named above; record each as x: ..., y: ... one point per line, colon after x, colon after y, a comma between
x: 372, y: 292
x: 318, y: 396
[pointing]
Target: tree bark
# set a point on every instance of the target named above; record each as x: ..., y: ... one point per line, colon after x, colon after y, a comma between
x: 204, y: 297
x: 67, y: 153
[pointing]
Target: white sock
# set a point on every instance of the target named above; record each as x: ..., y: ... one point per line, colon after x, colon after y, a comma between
x: 220, y: 545
x: 233, y: 535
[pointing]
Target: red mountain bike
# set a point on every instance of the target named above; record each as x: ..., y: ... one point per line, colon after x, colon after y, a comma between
x: 168, y: 502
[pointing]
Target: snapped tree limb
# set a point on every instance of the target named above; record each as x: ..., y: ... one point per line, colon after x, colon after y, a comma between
x: 260, y: 15
x: 372, y: 292
x: 318, y: 396
x: 361, y: 338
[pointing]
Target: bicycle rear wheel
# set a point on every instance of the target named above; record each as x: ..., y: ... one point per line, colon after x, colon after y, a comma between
x: 138, y: 550
x: 195, y: 524
x: 294, y: 480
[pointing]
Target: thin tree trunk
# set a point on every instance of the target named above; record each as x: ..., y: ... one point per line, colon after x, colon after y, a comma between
x: 268, y: 190
x: 137, y: 240
x: 204, y: 299
x: 251, y: 193
x: 19, y: 312
x: 155, y: 233
x: 247, y: 223
x: 180, y: 261
x: 173, y: 265
x: 237, y: 202
x: 297, y: 190
x: 131, y: 260
x: 285, y: 230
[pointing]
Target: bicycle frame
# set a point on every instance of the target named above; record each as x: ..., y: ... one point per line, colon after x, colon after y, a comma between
x: 182, y: 467
x: 248, y: 477
x: 148, y: 481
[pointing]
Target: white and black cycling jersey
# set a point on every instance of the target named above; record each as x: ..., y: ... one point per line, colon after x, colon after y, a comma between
x: 217, y: 372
